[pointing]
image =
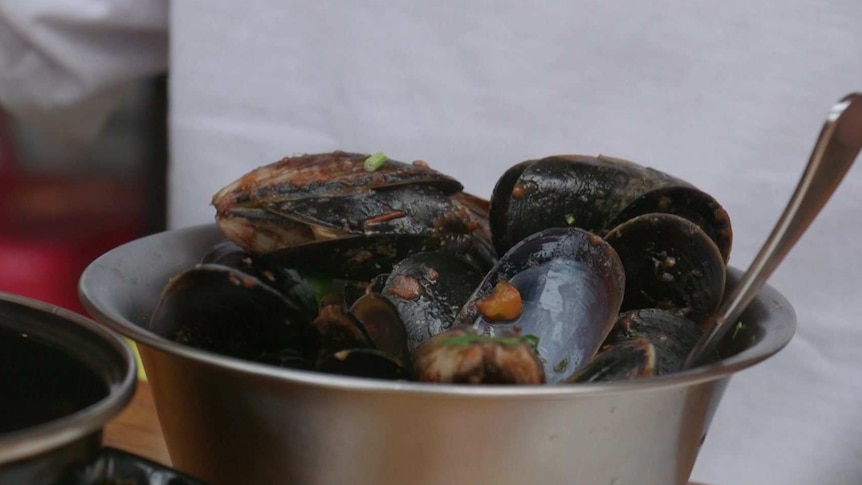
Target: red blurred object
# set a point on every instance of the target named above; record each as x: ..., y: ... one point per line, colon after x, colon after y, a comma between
x: 52, y: 227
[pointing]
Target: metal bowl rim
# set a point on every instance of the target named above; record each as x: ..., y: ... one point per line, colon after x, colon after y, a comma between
x: 35, y: 440
x: 773, y: 341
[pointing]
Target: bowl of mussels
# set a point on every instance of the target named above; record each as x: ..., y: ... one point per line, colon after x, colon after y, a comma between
x: 354, y: 319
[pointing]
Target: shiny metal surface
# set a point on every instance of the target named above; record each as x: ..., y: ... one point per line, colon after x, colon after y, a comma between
x: 228, y: 421
x: 834, y: 153
x: 38, y: 454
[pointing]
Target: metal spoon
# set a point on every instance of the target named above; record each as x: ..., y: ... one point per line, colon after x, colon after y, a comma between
x: 837, y: 147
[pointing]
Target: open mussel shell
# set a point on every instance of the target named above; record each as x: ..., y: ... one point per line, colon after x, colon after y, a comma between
x: 287, y: 281
x: 429, y: 289
x: 670, y: 263
x: 380, y: 321
x: 338, y: 330
x: 224, y: 310
x: 567, y: 190
x: 461, y: 355
x: 686, y: 202
x: 672, y: 336
x: 364, y: 362
x: 623, y: 361
x: 571, y: 286
x: 371, y: 322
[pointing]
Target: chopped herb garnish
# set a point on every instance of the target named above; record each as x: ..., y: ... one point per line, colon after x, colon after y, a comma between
x: 570, y: 219
x: 464, y: 340
x: 375, y: 161
x: 320, y: 286
x: 533, y: 340
x: 561, y: 365
x: 737, y: 329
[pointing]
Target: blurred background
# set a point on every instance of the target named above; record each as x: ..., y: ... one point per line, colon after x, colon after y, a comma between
x: 60, y: 209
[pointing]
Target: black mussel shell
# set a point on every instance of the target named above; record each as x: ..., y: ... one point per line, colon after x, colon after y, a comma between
x: 623, y: 361
x: 429, y: 289
x: 672, y: 336
x: 297, y: 357
x: 379, y: 319
x: 331, y: 195
x: 339, y: 330
x: 353, y: 258
x: 670, y: 263
x: 287, y: 281
x: 260, y: 231
x: 689, y: 203
x: 333, y: 174
x: 405, y: 209
x: 354, y: 290
x: 227, y: 253
x: 482, y: 254
x: 224, y: 310
x: 369, y: 363
x: 566, y: 190
x: 461, y: 355
x: 378, y: 283
x: 571, y: 285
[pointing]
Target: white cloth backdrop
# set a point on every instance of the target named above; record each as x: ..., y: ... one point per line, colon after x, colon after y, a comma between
x: 727, y: 94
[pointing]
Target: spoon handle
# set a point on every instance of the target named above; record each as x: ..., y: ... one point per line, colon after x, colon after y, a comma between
x: 837, y: 147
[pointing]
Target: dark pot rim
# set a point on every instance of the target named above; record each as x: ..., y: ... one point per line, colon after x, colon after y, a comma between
x: 119, y: 372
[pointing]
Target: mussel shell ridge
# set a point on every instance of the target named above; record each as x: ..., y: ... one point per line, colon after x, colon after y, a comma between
x: 571, y: 284
x: 686, y: 202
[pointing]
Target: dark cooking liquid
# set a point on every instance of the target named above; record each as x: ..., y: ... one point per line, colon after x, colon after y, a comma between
x: 39, y: 383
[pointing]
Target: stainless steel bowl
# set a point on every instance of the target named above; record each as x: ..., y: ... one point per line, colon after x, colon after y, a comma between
x: 229, y: 421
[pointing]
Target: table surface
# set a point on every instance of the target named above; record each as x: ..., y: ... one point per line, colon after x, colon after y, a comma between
x: 137, y: 429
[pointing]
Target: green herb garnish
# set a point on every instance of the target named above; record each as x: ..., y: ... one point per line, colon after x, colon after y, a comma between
x: 533, y: 340
x: 375, y: 161
x: 570, y: 219
x: 561, y: 365
x: 737, y: 329
x: 320, y: 287
x: 464, y: 340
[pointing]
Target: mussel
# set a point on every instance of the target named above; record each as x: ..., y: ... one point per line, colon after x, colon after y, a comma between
x: 646, y: 342
x: 674, y: 239
x: 670, y: 263
x: 429, y: 290
x: 596, y: 194
x: 392, y: 271
x: 238, y: 311
x: 366, y: 339
x: 345, y: 220
x: 571, y: 285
